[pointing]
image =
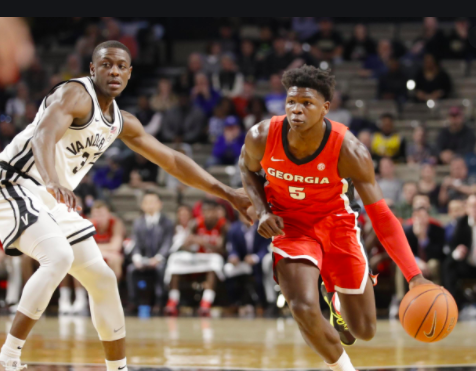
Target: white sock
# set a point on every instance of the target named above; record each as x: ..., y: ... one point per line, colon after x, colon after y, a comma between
x: 208, y: 296
x: 117, y: 365
x: 342, y: 364
x: 174, y: 295
x: 65, y: 295
x: 80, y: 294
x: 12, y: 347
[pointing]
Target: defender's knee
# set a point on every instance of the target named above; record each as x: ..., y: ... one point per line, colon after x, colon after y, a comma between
x: 363, y: 330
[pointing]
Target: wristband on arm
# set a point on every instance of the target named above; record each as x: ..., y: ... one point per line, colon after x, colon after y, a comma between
x: 390, y: 233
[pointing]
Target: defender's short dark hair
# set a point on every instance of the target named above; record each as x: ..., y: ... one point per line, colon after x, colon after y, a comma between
x: 111, y: 44
x: 311, y: 77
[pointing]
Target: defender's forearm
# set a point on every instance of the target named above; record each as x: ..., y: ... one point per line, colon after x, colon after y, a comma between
x: 44, y: 151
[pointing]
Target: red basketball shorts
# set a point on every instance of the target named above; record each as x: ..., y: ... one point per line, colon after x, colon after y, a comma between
x: 331, y: 243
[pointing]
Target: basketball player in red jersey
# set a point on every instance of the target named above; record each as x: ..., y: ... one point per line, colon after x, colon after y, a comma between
x: 307, y: 206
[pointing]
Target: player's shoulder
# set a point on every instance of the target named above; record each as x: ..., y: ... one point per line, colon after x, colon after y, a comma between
x: 257, y: 137
x: 354, y: 156
x: 132, y: 125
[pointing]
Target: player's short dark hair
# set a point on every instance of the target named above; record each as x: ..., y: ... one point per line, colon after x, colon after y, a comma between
x: 311, y: 77
x: 111, y: 44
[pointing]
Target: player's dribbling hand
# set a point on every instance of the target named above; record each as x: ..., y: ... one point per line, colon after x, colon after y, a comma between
x: 270, y: 225
x: 419, y: 280
x: 240, y: 201
x: 64, y: 196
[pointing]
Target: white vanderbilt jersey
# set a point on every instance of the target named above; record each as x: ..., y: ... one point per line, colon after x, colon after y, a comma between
x: 76, y: 151
x: 22, y: 190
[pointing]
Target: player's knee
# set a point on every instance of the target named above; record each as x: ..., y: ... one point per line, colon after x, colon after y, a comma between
x: 363, y: 330
x: 305, y: 311
x: 104, y: 276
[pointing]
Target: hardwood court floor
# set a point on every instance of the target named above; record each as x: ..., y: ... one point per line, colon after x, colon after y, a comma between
x: 231, y: 344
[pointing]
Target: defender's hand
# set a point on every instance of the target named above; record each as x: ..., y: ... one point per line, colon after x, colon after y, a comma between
x: 270, y: 225
x: 419, y: 280
x: 63, y: 195
x: 240, y: 201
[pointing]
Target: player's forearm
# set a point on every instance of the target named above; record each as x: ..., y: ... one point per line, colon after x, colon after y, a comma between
x: 44, y: 150
x: 390, y: 233
x: 253, y: 186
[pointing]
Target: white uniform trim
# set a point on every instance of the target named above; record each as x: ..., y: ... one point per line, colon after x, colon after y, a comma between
x: 360, y: 290
x: 284, y: 254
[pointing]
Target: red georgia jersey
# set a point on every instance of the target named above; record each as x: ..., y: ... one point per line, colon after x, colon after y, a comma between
x: 210, y: 234
x: 308, y: 188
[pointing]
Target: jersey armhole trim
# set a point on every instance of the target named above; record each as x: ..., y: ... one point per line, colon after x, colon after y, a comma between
x: 75, y: 127
x: 121, y: 121
x: 104, y: 120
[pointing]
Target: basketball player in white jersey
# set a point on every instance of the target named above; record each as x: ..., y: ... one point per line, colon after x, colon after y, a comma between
x: 77, y: 121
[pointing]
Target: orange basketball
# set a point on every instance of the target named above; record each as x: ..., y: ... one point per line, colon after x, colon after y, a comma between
x: 428, y: 313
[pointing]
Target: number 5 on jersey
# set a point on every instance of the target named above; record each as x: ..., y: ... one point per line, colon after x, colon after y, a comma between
x: 297, y: 193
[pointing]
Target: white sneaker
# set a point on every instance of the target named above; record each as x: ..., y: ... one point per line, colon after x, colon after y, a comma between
x: 64, y: 308
x: 12, y: 365
x: 79, y: 306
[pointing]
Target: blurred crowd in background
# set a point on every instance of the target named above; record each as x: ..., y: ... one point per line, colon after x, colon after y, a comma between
x: 405, y: 90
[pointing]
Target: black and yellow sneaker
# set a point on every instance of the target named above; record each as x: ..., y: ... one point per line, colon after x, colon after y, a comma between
x: 346, y: 338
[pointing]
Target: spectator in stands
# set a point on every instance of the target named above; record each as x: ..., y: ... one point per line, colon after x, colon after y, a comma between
x: 246, y: 249
x: 456, y: 210
x: 432, y: 81
x: 257, y: 112
x: 203, y: 95
x: 278, y: 60
x: 404, y: 208
x: 36, y: 78
x: 113, y: 32
x: 360, y: 46
x: 247, y: 60
x: 390, y: 185
x: 110, y: 176
x: 377, y: 65
x: 194, y: 66
x: 72, y: 68
x: 337, y: 112
x: 461, y: 262
x: 427, y: 184
x: 227, y: 42
x: 419, y: 151
x: 7, y: 131
x: 264, y: 44
x: 16, y: 106
x: 276, y: 99
x: 365, y: 136
x: 388, y: 142
x: 110, y: 233
x: 183, y: 227
x: 222, y: 110
x: 229, y: 80
x: 433, y: 39
x: 184, y: 123
x: 31, y: 110
x: 304, y: 27
x: 242, y: 101
x: 426, y: 240
x: 85, y: 45
x: 212, y: 58
x: 392, y: 84
x: 227, y: 148
x: 459, y: 46
x: 164, y: 99
x: 328, y: 41
x: 456, y: 186
x: 147, y: 171
x: 423, y: 201
x: 455, y: 139
x: 152, y: 236
x: 144, y: 113
x: 87, y: 193
x: 202, y: 252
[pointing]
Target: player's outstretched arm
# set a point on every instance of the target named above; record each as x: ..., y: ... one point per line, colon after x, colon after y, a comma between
x: 252, y: 153
x: 355, y: 163
x: 179, y: 165
x: 65, y: 106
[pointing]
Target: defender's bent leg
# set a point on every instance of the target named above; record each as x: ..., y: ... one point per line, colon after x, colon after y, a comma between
x: 358, y: 311
x: 298, y: 280
x: 107, y: 314
x: 44, y: 242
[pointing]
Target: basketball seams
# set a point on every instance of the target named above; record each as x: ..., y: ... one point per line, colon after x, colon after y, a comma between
x: 415, y: 298
x: 446, y: 318
x: 427, y: 313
